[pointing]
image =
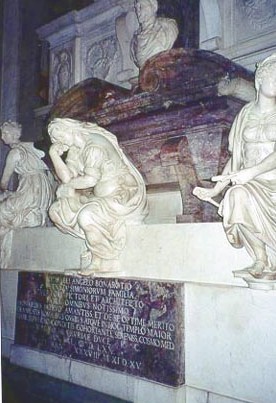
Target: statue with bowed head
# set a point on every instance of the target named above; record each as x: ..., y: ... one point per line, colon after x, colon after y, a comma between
x: 100, y: 191
x: 27, y: 206
x: 154, y: 35
x: 248, y: 207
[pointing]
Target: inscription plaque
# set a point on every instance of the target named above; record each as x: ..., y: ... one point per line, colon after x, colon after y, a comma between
x: 128, y: 325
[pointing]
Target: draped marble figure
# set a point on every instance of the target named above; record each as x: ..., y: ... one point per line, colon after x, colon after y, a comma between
x: 248, y: 207
x: 100, y: 191
x: 154, y: 34
x: 27, y: 206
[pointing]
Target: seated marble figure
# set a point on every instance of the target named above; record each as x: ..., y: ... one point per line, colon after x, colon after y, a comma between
x: 154, y: 34
x: 100, y: 191
x: 27, y: 206
x: 248, y: 207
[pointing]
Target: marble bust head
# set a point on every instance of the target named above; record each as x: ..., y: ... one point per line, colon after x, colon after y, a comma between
x: 10, y: 132
x: 154, y: 35
x: 145, y: 10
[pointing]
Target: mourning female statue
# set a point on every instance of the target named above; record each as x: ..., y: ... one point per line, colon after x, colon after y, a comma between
x: 99, y: 192
x: 248, y: 207
x: 154, y: 35
x: 26, y: 206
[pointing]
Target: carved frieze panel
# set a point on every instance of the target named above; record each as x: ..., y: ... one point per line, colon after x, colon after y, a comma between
x: 253, y: 17
x: 61, y: 72
x: 100, y: 57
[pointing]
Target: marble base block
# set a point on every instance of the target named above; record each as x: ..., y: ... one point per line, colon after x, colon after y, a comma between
x: 229, y: 329
x: 185, y: 252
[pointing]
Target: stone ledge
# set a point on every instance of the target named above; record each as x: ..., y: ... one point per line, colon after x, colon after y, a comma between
x: 196, y: 252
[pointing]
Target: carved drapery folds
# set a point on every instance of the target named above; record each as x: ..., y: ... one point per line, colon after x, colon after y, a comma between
x: 27, y: 205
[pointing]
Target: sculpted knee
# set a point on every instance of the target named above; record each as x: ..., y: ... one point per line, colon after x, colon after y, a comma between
x: 238, y: 195
x: 85, y: 218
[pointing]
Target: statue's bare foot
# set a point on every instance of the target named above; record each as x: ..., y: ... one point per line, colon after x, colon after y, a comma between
x: 257, y: 269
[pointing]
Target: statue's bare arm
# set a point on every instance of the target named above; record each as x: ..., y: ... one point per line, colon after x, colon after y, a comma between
x: 64, y: 173
x: 240, y: 177
x: 247, y: 174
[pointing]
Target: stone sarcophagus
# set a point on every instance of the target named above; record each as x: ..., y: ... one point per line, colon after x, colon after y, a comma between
x: 174, y: 124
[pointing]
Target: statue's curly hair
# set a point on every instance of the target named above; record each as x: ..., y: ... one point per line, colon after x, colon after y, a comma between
x: 11, y: 124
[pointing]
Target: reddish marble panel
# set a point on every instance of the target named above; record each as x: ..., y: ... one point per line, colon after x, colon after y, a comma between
x: 131, y: 326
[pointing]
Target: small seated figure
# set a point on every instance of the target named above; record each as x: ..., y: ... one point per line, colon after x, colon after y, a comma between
x: 154, y: 35
x: 28, y: 205
x: 248, y: 207
x: 100, y: 191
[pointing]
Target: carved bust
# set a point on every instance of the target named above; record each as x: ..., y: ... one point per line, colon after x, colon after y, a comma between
x: 100, y: 191
x: 154, y: 34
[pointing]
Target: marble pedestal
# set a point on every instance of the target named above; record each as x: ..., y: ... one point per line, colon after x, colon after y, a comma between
x: 229, y: 329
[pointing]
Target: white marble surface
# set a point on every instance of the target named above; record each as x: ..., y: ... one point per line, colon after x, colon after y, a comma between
x: 29, y: 252
x: 158, y: 393
x: 230, y: 348
x: 189, y: 252
x: 194, y: 395
x: 111, y: 382
x: 213, y: 398
x: 164, y: 207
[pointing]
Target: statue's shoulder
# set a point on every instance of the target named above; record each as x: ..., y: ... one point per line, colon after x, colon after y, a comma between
x: 246, y: 108
x: 29, y: 148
